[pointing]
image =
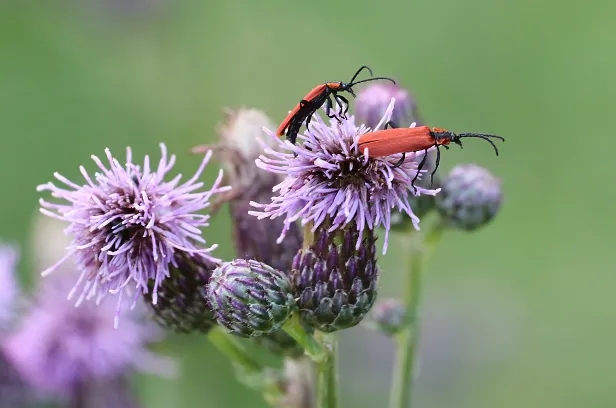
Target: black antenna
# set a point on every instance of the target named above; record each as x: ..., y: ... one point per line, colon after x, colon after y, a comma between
x: 483, y: 136
x: 360, y: 70
x: 372, y: 79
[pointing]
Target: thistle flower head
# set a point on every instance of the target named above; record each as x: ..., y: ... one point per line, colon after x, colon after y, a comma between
x: 9, y: 289
x: 128, y: 223
x: 59, y: 346
x: 240, y: 131
x: 250, y: 298
x: 373, y: 100
x: 471, y: 197
x: 328, y: 180
x: 336, y: 284
x: 389, y: 316
x: 237, y: 151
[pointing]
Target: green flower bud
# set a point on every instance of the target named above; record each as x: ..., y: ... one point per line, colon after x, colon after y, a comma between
x: 336, y: 284
x: 470, y: 197
x: 250, y: 298
x: 389, y: 316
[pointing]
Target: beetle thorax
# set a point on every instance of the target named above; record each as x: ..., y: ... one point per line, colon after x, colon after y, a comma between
x: 442, y: 136
x: 336, y: 85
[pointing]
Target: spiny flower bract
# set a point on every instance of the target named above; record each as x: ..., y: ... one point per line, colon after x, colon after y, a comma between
x: 336, y: 284
x: 328, y: 178
x: 181, y: 304
x: 127, y: 223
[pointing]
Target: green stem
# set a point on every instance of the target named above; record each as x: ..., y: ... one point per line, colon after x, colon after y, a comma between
x: 406, y: 340
x: 327, y: 373
x: 312, y: 348
x: 248, y: 371
x: 431, y: 240
x: 233, y: 350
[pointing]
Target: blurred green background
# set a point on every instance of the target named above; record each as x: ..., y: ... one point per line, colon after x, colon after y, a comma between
x: 520, y: 314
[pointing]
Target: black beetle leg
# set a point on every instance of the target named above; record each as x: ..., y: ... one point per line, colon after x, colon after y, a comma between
x: 401, y: 161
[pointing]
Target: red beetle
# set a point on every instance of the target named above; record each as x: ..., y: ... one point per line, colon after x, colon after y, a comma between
x: 319, y: 95
x: 401, y: 140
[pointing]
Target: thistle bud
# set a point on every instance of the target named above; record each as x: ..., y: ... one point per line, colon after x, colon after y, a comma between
x: 336, y: 283
x: 470, y: 197
x: 250, y: 298
x: 372, y: 102
x: 241, y: 130
x: 181, y: 305
x: 389, y: 316
x: 237, y: 150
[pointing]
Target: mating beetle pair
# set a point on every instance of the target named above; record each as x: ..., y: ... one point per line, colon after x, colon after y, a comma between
x: 379, y: 143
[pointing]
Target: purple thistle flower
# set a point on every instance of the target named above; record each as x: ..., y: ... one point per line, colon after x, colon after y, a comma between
x: 128, y: 224
x: 329, y: 179
x: 59, y: 347
x: 9, y: 289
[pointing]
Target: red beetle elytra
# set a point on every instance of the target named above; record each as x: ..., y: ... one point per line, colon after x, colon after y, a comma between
x: 402, y: 140
x: 319, y: 95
